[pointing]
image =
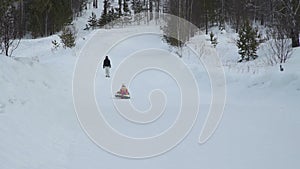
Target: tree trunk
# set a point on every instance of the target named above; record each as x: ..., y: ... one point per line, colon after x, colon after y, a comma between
x: 206, y: 22
x: 95, y: 3
x: 206, y: 18
x: 6, y: 46
x: 295, y: 38
x: 151, y: 9
x: 21, y: 26
x: 46, y: 24
x: 237, y: 24
x: 105, y: 7
x: 120, y: 8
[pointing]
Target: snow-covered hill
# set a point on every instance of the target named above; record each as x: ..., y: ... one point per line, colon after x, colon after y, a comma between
x: 39, y: 128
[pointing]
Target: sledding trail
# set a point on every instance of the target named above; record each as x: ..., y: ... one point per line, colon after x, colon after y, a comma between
x: 140, y: 88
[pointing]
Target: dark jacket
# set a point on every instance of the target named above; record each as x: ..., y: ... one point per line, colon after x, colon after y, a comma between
x: 106, y: 62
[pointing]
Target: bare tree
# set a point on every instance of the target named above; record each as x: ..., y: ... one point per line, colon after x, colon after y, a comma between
x: 47, y: 8
x: 9, y: 30
x: 280, y: 46
x: 288, y: 12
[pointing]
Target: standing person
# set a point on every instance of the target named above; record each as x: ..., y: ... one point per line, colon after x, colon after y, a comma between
x: 106, y: 66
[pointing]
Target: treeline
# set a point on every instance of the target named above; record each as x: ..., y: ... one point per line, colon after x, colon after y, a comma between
x: 283, y: 15
x: 114, y: 9
x: 40, y: 18
x: 34, y: 18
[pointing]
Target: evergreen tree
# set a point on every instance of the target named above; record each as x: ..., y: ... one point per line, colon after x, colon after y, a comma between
x: 92, y: 22
x: 55, y: 45
x: 46, y: 17
x: 247, y: 42
x: 126, y: 7
x: 108, y: 14
x: 68, y: 36
x: 137, y: 6
x: 106, y: 5
x: 105, y: 16
x: 120, y: 8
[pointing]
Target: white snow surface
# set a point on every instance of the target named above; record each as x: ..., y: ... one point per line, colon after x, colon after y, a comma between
x: 39, y: 128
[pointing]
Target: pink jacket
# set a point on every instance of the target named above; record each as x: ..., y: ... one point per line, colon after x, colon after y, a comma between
x: 124, y: 91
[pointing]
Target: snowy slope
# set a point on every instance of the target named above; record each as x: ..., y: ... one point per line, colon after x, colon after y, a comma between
x: 39, y: 126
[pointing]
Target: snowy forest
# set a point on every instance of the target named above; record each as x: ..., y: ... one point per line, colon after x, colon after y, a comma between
x: 40, y: 18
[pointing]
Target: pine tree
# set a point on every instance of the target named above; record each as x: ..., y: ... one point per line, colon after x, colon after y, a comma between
x: 137, y: 6
x: 125, y: 7
x: 68, y: 37
x: 105, y: 17
x: 93, y: 21
x: 247, y: 42
x: 120, y: 8
x: 47, y: 17
x: 55, y: 45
